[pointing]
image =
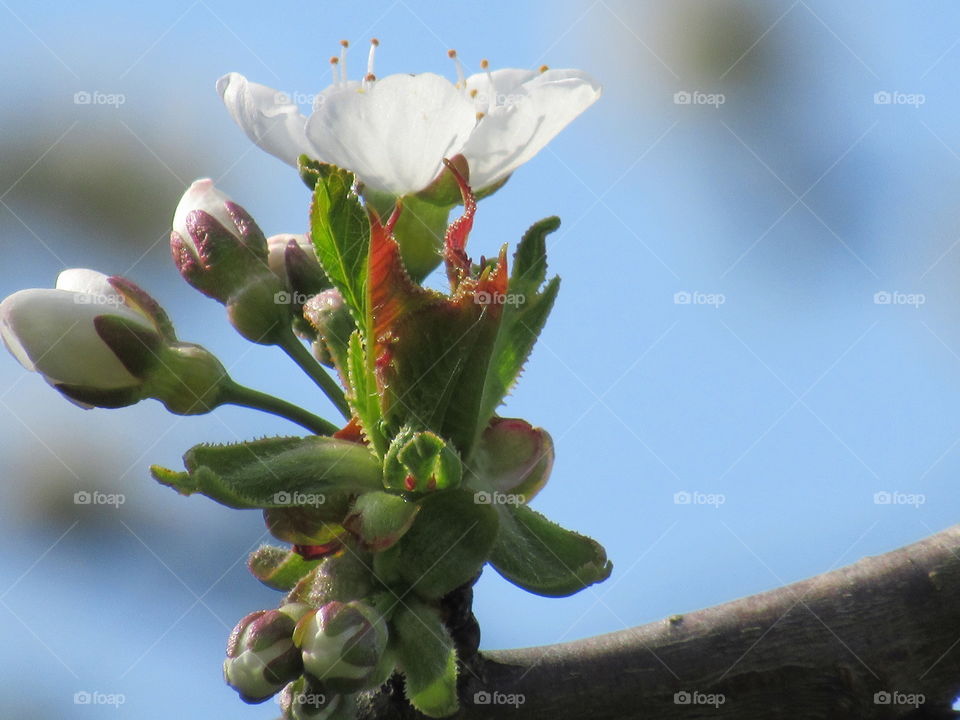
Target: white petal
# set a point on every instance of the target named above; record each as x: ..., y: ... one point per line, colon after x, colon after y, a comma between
x: 507, y: 82
x: 395, y: 134
x: 202, y: 195
x: 514, y: 133
x: 86, y: 281
x: 52, y: 332
x: 266, y: 115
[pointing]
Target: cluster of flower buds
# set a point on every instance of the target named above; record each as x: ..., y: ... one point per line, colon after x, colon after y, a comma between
x: 317, y: 656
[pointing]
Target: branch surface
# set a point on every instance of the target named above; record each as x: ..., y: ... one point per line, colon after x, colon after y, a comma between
x: 877, y: 639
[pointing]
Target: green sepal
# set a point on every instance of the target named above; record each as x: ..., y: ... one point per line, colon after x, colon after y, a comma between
x: 380, y: 519
x: 420, y: 461
x: 340, y: 230
x: 419, y: 230
x: 544, y: 558
x: 449, y: 542
x: 427, y: 658
x: 270, y: 472
x: 278, y: 568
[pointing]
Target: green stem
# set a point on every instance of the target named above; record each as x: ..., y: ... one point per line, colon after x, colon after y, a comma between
x: 302, y: 357
x: 235, y: 394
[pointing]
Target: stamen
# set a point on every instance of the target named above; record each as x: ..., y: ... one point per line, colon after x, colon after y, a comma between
x: 480, y: 116
x: 452, y: 54
x: 344, y: 44
x: 334, y: 61
x: 374, y: 44
x: 492, y: 92
x: 544, y: 68
x: 473, y: 93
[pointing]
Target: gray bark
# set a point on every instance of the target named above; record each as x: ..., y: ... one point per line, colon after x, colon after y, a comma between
x: 877, y: 639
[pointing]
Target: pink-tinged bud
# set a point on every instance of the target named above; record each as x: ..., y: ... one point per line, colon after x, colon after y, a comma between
x: 293, y: 259
x: 261, y: 656
x: 220, y: 251
x: 342, y: 644
x: 93, y: 337
x: 514, y: 458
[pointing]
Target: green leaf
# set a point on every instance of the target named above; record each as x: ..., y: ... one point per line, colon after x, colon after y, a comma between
x: 363, y: 396
x: 279, y: 568
x: 449, y: 542
x: 523, y: 317
x: 273, y: 472
x: 427, y: 657
x: 544, y: 558
x: 340, y: 230
x: 530, y: 259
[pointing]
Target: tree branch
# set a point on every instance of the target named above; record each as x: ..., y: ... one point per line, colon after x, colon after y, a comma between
x: 820, y: 648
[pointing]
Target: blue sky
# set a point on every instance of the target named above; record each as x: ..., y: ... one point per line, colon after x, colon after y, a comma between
x: 783, y: 398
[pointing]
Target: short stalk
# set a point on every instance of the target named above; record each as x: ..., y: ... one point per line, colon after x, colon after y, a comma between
x: 234, y: 394
x: 302, y: 357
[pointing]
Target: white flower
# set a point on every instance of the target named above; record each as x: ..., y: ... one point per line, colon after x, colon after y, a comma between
x: 394, y: 133
x: 52, y: 332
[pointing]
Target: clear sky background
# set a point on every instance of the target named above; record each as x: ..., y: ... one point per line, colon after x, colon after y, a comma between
x: 795, y: 401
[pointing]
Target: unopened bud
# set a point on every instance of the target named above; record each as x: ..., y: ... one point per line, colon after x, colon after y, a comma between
x: 219, y: 249
x: 342, y: 644
x: 261, y: 656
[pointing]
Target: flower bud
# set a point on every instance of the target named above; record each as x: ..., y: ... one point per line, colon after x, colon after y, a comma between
x: 515, y: 458
x: 220, y: 251
x: 104, y: 342
x: 293, y: 259
x: 342, y: 644
x: 330, y: 319
x: 261, y: 656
